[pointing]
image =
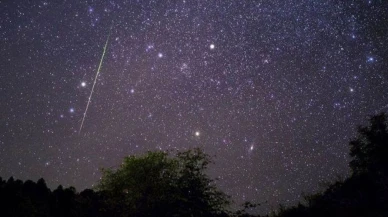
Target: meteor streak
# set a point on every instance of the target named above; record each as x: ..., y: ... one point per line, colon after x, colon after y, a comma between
x: 95, y: 79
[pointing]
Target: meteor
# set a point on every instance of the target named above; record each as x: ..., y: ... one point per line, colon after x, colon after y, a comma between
x: 95, y: 79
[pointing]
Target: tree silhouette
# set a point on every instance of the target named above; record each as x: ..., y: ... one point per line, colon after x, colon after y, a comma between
x: 369, y: 150
x: 157, y: 184
x: 365, y: 192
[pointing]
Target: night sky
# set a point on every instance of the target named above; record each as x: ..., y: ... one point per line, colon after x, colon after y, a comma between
x: 274, y: 89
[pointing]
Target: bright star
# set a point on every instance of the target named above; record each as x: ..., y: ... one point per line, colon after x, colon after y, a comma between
x: 212, y: 46
x: 371, y: 59
x: 160, y: 55
x: 197, y: 133
x: 83, y: 84
x: 71, y: 110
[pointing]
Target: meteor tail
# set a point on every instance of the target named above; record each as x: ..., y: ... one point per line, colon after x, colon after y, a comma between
x: 95, y: 80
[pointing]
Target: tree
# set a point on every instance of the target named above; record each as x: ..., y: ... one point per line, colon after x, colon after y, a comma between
x: 365, y: 192
x: 370, y: 149
x: 157, y: 184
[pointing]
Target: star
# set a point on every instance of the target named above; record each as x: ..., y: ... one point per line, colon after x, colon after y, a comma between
x: 83, y: 84
x: 160, y: 55
x: 370, y: 59
x: 149, y: 47
x: 212, y: 46
x: 71, y: 110
x: 197, y: 133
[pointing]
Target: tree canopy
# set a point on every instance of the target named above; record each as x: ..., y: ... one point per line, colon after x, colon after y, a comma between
x: 369, y: 150
x: 365, y: 192
x: 157, y: 184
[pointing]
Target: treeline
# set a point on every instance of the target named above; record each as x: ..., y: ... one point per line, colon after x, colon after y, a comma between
x: 25, y: 199
x: 162, y: 184
x: 155, y: 184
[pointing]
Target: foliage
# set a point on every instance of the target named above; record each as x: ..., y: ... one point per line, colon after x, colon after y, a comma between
x: 370, y: 148
x: 157, y: 184
x: 18, y: 198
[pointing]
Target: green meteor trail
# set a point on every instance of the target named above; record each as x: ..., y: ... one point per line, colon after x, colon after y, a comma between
x: 95, y: 79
